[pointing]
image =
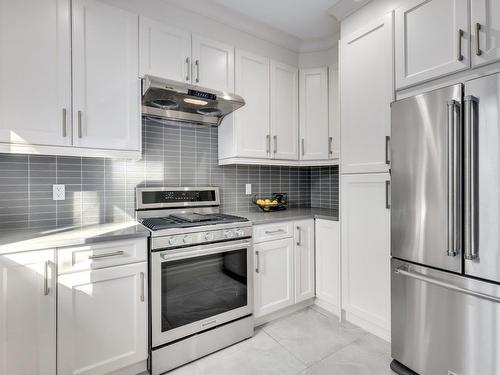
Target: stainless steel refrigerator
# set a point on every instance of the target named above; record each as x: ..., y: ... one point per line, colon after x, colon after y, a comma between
x: 445, y: 230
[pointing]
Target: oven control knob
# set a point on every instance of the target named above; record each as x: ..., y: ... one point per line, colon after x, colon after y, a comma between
x: 172, y: 241
x: 228, y: 234
x: 187, y: 239
x: 209, y: 236
x: 239, y: 232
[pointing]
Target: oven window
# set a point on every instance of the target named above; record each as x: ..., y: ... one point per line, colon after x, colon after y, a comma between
x: 197, y: 288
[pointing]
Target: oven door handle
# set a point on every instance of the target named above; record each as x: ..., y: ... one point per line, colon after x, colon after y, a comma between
x: 168, y: 256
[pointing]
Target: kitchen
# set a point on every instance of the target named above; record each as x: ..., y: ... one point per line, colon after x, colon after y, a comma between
x: 134, y: 186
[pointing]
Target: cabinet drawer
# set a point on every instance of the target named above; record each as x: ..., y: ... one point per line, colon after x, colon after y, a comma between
x: 106, y: 254
x: 269, y: 232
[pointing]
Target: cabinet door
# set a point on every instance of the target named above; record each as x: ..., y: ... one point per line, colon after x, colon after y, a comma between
x: 485, y: 30
x: 366, y: 251
x: 213, y: 64
x: 35, y: 72
x: 164, y: 51
x: 431, y: 40
x: 366, y: 94
x: 252, y: 120
x: 304, y: 260
x: 273, y: 276
x: 334, y: 111
x: 313, y: 114
x: 328, y: 263
x: 102, y: 320
x: 105, y: 77
x: 284, y: 111
x: 28, y: 313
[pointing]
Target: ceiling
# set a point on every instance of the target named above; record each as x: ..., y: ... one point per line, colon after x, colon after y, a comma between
x: 307, y: 20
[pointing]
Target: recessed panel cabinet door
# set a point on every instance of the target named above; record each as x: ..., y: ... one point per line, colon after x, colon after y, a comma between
x: 485, y: 31
x: 366, y: 93
x: 284, y: 111
x: 28, y: 313
x: 304, y: 260
x: 432, y: 40
x: 165, y: 51
x: 274, y: 285
x: 213, y: 64
x: 366, y: 250
x: 313, y: 112
x: 105, y: 77
x: 334, y: 111
x: 252, y: 120
x: 35, y: 72
x: 102, y: 320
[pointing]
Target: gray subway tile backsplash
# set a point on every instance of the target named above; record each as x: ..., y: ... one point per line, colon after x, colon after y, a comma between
x: 101, y: 190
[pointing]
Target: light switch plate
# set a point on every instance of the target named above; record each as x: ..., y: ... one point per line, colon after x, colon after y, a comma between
x: 58, y: 192
x: 248, y: 189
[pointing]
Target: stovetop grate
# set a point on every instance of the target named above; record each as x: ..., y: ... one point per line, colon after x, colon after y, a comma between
x: 157, y: 223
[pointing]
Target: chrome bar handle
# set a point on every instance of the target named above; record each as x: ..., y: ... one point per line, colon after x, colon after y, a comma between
x: 470, y: 141
x: 142, y: 287
x: 454, y: 178
x: 275, y: 138
x: 387, y: 148
x: 460, y: 35
x: 64, y: 128
x: 299, y: 236
x: 388, y: 194
x: 188, y: 68
x: 478, y: 39
x: 451, y: 198
x: 275, y: 231
x: 79, y: 115
x: 268, y: 144
x: 106, y: 255
x: 406, y: 271
x: 46, y: 289
x: 197, y: 64
x: 257, y: 261
x: 330, y: 145
x: 303, y: 146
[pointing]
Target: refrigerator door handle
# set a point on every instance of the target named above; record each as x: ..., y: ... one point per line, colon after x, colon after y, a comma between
x: 471, y: 117
x: 406, y: 271
x: 454, y: 178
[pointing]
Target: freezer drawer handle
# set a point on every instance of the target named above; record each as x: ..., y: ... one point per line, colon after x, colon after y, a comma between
x: 430, y: 280
x: 387, y: 148
x: 388, y: 194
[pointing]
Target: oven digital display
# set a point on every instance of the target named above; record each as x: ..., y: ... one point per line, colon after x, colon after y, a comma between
x: 151, y: 197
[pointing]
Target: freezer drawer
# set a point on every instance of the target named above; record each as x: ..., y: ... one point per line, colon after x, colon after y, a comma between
x: 443, y: 323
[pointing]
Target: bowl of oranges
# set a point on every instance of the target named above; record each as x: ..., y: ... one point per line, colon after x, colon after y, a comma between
x: 277, y: 201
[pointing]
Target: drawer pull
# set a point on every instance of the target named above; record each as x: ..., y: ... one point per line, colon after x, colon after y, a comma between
x: 106, y: 255
x: 142, y: 287
x: 275, y: 231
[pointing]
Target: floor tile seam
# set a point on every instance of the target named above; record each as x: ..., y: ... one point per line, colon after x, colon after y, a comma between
x: 286, y: 350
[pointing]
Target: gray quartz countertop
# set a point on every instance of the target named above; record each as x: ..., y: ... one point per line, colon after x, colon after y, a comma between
x: 36, y: 239
x: 260, y: 217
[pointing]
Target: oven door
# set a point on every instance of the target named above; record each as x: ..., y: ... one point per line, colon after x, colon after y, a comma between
x: 199, y: 287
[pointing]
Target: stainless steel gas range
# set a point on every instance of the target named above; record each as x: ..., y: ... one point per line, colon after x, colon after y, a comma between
x: 200, y: 274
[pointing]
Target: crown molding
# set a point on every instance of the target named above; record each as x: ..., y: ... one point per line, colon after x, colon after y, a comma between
x: 344, y: 8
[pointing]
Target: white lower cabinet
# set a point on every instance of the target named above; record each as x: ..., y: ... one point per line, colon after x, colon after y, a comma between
x: 273, y: 276
x: 328, y: 265
x: 28, y: 313
x: 365, y: 243
x: 102, y: 319
x: 284, y: 268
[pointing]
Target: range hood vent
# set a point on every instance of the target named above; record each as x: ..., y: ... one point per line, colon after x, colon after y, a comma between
x: 167, y: 99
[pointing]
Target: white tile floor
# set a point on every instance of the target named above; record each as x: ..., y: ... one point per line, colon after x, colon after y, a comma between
x: 305, y: 343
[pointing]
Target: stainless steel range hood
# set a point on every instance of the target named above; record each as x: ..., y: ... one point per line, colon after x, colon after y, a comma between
x: 164, y: 98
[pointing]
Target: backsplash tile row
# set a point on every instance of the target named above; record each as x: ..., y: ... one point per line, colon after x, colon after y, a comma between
x: 101, y: 190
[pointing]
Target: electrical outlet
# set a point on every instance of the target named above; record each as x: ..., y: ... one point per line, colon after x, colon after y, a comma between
x: 248, y: 189
x: 58, y: 192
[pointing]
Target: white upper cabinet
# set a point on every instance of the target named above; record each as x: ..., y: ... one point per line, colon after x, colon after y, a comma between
x: 366, y: 251
x: 334, y: 111
x: 313, y: 112
x: 485, y: 31
x: 35, y: 75
x: 213, y: 64
x: 105, y: 77
x: 284, y: 111
x: 252, y: 120
x: 28, y: 313
x: 366, y: 92
x: 432, y: 40
x: 304, y: 260
x: 165, y: 51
